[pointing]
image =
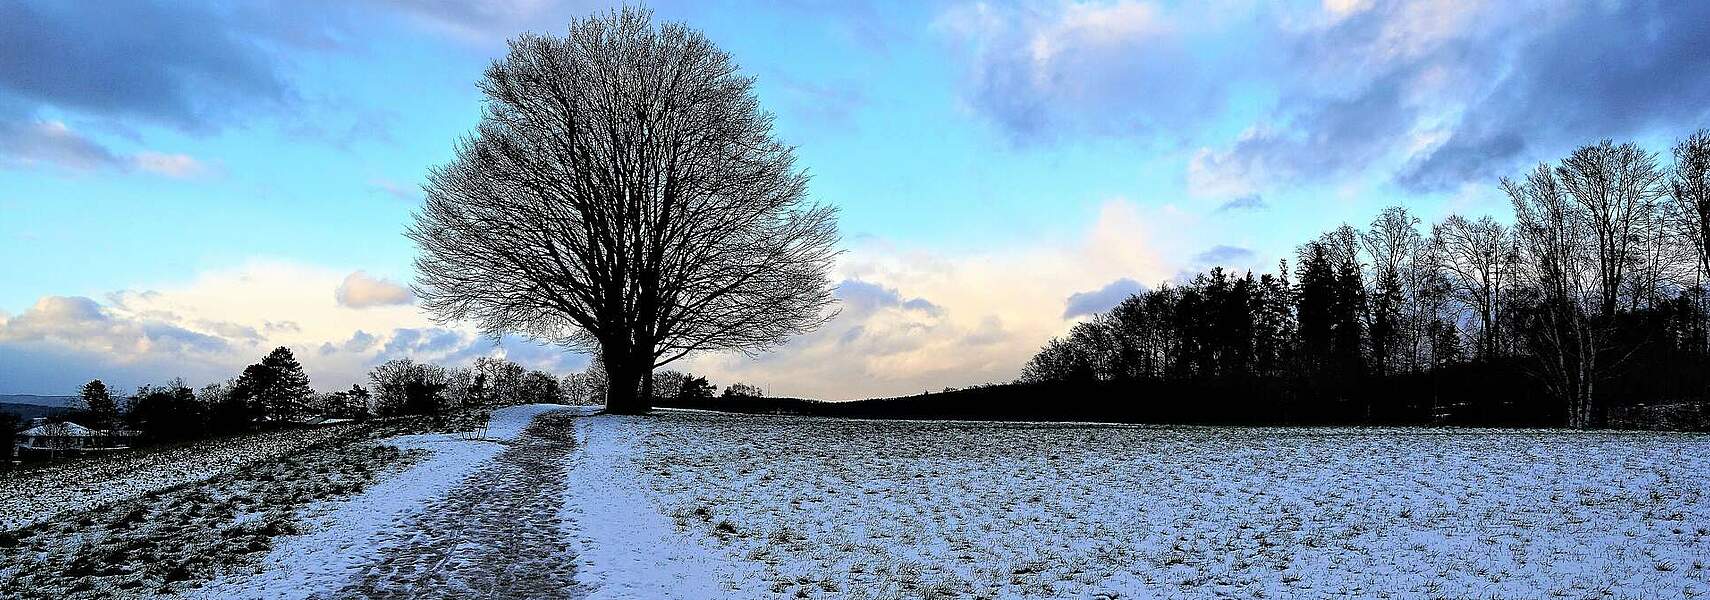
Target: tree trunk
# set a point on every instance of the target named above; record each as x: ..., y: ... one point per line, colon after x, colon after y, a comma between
x: 623, y: 388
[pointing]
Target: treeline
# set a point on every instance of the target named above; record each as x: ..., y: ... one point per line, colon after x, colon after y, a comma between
x: 687, y: 390
x: 1592, y: 303
x: 277, y: 392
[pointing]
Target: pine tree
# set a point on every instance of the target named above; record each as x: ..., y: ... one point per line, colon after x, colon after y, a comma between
x: 275, y: 388
x: 98, y: 400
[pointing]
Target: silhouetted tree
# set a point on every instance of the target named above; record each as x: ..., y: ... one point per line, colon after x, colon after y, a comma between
x: 587, y: 387
x: 1478, y: 260
x: 405, y: 387
x: 275, y: 388
x: 502, y: 380
x: 1393, y: 243
x: 695, y: 388
x: 539, y: 387
x: 1578, y: 225
x: 742, y: 390
x: 227, y: 410
x: 98, y: 401
x: 10, y: 424
x: 623, y: 194
x: 167, y: 413
x: 668, y: 384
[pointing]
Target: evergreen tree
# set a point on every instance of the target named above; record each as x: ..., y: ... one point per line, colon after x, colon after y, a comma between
x: 275, y: 388
x: 98, y: 400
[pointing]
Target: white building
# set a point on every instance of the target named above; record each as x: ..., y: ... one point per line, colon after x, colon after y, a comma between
x: 53, y: 438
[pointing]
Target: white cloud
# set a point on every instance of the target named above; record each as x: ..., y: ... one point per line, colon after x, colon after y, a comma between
x: 361, y: 290
x: 1341, y: 9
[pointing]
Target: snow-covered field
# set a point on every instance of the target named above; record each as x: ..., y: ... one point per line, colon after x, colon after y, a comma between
x: 40, y: 494
x: 687, y: 504
x: 695, y: 504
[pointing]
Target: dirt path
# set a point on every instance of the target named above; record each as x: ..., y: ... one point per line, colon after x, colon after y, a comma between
x: 495, y: 535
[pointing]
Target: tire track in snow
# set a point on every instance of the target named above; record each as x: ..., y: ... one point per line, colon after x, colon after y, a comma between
x: 496, y: 535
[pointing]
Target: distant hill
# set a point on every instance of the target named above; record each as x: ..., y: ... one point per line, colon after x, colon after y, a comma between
x: 29, y: 411
x: 54, y: 401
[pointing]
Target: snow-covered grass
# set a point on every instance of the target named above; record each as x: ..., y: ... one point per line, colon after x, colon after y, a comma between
x: 695, y: 504
x: 167, y: 541
x: 40, y: 494
x: 339, y: 537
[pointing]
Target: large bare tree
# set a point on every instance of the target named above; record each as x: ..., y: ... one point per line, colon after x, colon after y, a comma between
x: 624, y: 194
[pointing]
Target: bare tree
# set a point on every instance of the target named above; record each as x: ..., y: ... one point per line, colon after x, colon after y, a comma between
x: 1615, y: 189
x: 1477, y: 260
x: 623, y: 194
x: 1580, y: 227
x: 1689, y: 206
x: 1688, y: 213
x: 1393, y: 243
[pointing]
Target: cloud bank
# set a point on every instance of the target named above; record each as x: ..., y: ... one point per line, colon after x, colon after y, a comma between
x: 910, y: 319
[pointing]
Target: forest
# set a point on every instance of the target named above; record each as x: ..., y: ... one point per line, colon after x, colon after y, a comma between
x: 1587, y: 309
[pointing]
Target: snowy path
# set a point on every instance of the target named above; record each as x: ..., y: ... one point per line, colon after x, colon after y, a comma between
x: 495, y: 535
x: 477, y: 518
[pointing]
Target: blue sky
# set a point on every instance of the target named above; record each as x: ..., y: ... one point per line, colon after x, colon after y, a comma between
x: 185, y: 185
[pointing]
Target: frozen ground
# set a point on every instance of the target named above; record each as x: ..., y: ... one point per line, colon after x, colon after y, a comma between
x: 40, y: 494
x: 819, y: 507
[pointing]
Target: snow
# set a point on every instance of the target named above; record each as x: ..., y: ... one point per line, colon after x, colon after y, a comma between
x: 694, y: 505
x: 339, y: 538
x: 628, y: 548
x: 38, y: 495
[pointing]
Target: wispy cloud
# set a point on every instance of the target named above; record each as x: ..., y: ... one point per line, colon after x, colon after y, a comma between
x: 1224, y: 256
x: 29, y: 143
x: 180, y: 166
x: 1247, y: 203
x: 394, y: 189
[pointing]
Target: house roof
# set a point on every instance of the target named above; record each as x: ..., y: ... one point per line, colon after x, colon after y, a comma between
x: 69, y: 430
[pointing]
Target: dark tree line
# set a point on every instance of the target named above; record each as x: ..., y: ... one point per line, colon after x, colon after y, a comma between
x: 1593, y: 300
